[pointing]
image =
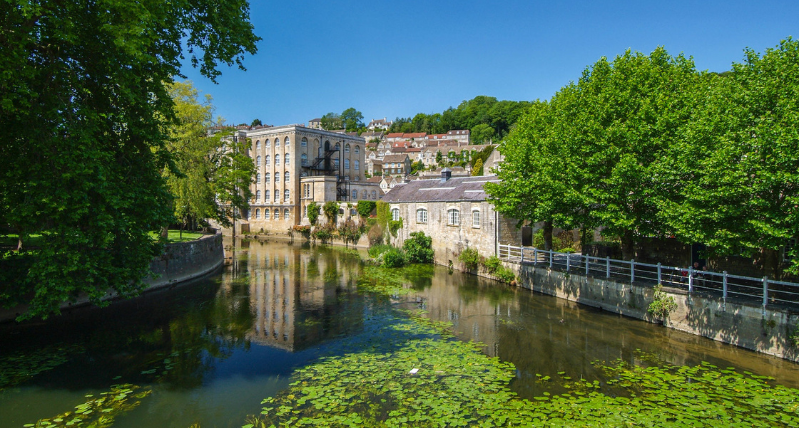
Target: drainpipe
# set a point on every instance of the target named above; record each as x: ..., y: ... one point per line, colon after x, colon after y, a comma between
x: 496, y: 233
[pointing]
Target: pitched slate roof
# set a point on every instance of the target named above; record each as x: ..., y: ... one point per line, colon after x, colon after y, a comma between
x: 394, y: 158
x: 434, y: 190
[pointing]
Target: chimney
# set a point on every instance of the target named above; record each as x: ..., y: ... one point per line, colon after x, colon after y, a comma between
x: 446, y: 174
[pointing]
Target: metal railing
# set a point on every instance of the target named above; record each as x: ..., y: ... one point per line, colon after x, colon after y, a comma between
x: 763, y: 291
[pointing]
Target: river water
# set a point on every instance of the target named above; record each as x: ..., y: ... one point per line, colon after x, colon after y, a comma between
x: 210, y: 351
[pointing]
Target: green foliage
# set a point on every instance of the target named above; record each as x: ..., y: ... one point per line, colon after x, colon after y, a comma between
x: 492, y: 264
x: 394, y: 258
x: 85, y: 109
x: 495, y: 267
x: 376, y: 250
x: 350, y: 232
x: 416, y: 167
x: 662, y: 304
x: 256, y: 122
x: 418, y: 248
x: 331, y: 121
x: 394, y: 226
x: 365, y: 208
x: 100, y: 411
x: 477, y: 168
x: 324, y: 233
x: 470, y: 258
x: 352, y: 119
x: 313, y: 212
x: 484, y: 116
x: 330, y: 208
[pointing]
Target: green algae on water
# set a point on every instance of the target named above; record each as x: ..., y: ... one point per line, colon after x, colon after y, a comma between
x: 99, y: 412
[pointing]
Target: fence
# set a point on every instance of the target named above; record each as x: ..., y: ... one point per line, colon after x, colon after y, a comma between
x: 763, y: 291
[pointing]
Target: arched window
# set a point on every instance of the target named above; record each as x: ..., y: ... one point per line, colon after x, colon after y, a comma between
x: 277, y: 159
x: 277, y: 194
x: 266, y: 160
x: 338, y: 147
x: 277, y: 142
x: 357, y: 150
x: 335, y: 163
x: 304, y: 159
x: 421, y: 215
x: 257, y: 213
x: 374, y: 194
x: 257, y: 177
x: 357, y: 164
x: 277, y: 214
x: 266, y: 213
x: 286, y: 142
x: 453, y: 217
x: 364, y: 194
x: 395, y: 214
x: 346, y: 164
x: 287, y: 159
x: 258, y: 145
x: 257, y: 195
x: 286, y: 214
x: 354, y: 195
x: 475, y: 218
x: 304, y: 142
x: 286, y: 176
x: 258, y: 160
x: 267, y: 178
x: 286, y: 195
x: 347, y: 149
x: 266, y: 195
x: 267, y: 143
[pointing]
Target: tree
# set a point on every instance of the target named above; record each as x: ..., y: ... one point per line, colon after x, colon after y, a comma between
x: 352, y: 119
x: 477, y: 168
x: 256, y: 122
x: 416, y: 167
x: 482, y: 133
x: 331, y: 121
x: 735, y: 175
x: 84, y: 109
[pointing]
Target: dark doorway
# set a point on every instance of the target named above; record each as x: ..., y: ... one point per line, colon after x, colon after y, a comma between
x: 698, y: 254
x: 527, y: 236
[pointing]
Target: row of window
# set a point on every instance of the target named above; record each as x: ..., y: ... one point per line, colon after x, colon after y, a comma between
x: 286, y: 195
x: 268, y: 177
x: 276, y: 215
x: 277, y: 159
x: 453, y: 216
x: 303, y: 143
x: 306, y: 193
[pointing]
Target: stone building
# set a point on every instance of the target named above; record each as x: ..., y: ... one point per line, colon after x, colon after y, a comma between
x: 399, y: 164
x: 295, y: 166
x: 454, y: 212
x: 376, y: 124
x: 315, y: 123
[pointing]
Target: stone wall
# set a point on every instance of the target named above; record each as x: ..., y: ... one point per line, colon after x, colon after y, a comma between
x: 767, y: 331
x: 181, y: 261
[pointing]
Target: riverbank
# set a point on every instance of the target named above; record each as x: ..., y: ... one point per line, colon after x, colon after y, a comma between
x: 748, y: 326
x: 180, y: 262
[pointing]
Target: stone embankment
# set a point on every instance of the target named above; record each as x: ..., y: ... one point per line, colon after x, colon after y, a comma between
x: 750, y: 326
x: 180, y: 262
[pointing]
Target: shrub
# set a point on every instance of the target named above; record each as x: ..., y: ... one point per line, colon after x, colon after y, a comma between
x: 350, y: 232
x: 662, y: 305
x: 323, y: 234
x: 394, y: 226
x: 313, y: 212
x: 492, y: 264
x: 394, y: 258
x: 331, y: 211
x: 365, y: 208
x: 305, y: 231
x: 470, y: 258
x: 505, y: 275
x: 419, y: 248
x: 376, y: 250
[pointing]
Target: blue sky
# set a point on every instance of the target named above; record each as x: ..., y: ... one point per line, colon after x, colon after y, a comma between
x: 399, y: 58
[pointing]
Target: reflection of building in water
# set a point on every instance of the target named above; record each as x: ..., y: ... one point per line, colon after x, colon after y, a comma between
x: 474, y: 310
x: 299, y: 296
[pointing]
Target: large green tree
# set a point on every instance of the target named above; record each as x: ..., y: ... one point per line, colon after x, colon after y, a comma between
x: 735, y: 174
x: 331, y: 121
x: 352, y: 119
x: 84, y: 113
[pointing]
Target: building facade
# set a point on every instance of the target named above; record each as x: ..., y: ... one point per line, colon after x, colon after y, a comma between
x: 295, y: 166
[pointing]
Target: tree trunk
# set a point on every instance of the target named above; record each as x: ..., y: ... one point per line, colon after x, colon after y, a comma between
x: 627, y: 245
x: 19, y: 242
x: 770, y: 260
x: 165, y: 232
x: 583, y: 238
x: 548, y: 235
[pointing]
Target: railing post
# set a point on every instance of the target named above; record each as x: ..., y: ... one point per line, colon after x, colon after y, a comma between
x: 535, y: 256
x: 551, y: 253
x: 660, y: 275
x: 690, y: 279
x: 765, y: 293
x: 522, y: 262
x: 568, y: 260
x: 724, y: 291
x: 607, y: 267
x: 632, y: 271
x: 587, y: 261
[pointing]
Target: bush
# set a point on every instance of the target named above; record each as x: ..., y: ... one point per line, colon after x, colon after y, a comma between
x: 313, y: 212
x: 505, y: 275
x: 331, y: 211
x: 324, y: 234
x: 394, y: 258
x: 376, y: 250
x: 394, y: 226
x: 662, y: 305
x: 350, y: 232
x: 419, y: 248
x: 365, y: 208
x: 492, y: 264
x: 470, y: 258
